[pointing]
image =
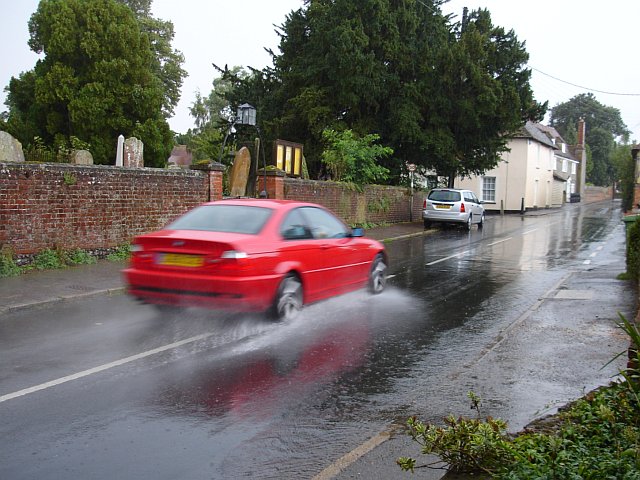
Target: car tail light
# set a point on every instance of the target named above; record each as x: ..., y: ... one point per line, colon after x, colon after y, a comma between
x: 462, y: 209
x: 424, y: 204
x: 232, y: 262
x: 139, y: 255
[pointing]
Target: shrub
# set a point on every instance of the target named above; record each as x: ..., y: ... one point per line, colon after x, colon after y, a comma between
x: 633, y: 250
x: 8, y: 267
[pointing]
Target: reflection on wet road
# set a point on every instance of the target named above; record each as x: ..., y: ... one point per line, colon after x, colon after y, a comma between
x: 223, y: 396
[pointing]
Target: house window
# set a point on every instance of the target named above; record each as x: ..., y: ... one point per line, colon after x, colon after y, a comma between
x: 564, y: 166
x: 489, y: 189
x: 573, y: 168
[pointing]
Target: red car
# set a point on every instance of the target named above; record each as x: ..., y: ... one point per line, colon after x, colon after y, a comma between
x: 254, y: 255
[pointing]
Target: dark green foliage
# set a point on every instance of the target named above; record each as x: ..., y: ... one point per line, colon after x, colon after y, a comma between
x: 602, y: 123
x: 104, y: 73
x: 624, y: 167
x: 633, y: 250
x: 439, y: 98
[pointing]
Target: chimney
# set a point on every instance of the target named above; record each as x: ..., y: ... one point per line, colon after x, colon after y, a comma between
x: 581, y: 132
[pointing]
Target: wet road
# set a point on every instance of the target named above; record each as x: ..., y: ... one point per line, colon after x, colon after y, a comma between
x: 103, y: 388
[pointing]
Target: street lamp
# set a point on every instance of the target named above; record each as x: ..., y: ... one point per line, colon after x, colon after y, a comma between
x: 246, y: 115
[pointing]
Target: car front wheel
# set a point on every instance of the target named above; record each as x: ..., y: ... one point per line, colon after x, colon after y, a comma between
x: 481, y: 224
x: 377, y: 275
x: 288, y: 301
x: 469, y: 222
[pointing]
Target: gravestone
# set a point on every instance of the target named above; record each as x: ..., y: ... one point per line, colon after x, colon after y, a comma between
x: 81, y: 157
x: 180, y: 157
x: 120, y: 151
x: 240, y: 172
x: 10, y: 149
x: 133, y: 153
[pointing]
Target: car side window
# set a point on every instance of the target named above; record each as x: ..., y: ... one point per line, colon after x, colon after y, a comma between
x: 323, y: 224
x: 294, y: 227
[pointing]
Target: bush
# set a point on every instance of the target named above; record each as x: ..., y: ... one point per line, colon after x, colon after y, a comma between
x: 596, y: 437
x: 8, y: 267
x: 633, y: 250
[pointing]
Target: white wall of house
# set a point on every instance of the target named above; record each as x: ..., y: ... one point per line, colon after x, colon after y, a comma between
x: 525, y: 172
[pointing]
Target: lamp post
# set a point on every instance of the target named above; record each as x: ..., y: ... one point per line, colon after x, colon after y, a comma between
x: 246, y: 115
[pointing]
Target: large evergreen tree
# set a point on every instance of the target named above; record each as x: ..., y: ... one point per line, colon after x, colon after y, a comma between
x: 441, y: 98
x: 100, y: 77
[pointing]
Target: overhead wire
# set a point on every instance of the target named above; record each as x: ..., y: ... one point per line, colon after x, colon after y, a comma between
x: 585, y: 88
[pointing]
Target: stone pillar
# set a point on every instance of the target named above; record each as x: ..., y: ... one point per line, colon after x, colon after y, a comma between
x: 215, y: 171
x: 275, y: 183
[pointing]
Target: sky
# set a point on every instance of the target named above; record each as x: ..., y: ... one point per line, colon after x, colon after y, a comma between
x: 574, y: 46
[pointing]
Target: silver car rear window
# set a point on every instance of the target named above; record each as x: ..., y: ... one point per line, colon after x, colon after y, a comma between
x: 444, y: 196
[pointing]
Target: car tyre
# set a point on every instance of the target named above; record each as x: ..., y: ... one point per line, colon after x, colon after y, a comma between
x: 288, y: 301
x: 481, y: 224
x: 427, y: 224
x: 377, y: 275
x: 469, y: 222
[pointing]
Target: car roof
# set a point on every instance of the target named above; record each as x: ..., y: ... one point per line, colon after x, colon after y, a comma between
x: 263, y: 202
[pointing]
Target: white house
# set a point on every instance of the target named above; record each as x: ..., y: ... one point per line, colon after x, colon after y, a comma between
x: 523, y: 179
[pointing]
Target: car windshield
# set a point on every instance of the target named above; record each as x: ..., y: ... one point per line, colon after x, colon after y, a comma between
x: 444, y: 196
x: 223, y: 218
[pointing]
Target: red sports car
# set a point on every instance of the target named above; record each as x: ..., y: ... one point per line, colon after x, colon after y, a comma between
x: 254, y: 255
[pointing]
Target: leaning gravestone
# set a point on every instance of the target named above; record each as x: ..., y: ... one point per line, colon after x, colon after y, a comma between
x: 133, y: 150
x: 81, y: 157
x: 10, y: 149
x: 240, y: 172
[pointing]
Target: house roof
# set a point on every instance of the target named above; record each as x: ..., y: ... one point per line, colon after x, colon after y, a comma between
x: 530, y: 131
x: 563, y: 176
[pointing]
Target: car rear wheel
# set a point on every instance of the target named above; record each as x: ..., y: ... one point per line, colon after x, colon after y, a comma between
x: 427, y: 224
x: 288, y: 301
x: 377, y: 275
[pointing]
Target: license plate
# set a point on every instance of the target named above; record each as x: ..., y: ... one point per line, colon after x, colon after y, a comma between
x: 444, y: 207
x: 180, y: 260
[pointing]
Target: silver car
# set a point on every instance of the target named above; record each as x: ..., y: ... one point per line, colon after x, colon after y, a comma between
x: 452, y: 205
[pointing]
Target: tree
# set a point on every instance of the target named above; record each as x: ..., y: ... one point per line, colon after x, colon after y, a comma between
x: 397, y: 69
x: 602, y: 125
x: 481, y: 97
x: 167, y: 62
x: 624, y: 168
x: 353, y: 159
x: 98, y: 79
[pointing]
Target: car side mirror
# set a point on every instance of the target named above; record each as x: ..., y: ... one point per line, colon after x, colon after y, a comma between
x: 357, y: 232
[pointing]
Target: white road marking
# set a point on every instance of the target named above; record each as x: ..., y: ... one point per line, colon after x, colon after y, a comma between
x: 593, y: 254
x: 586, y: 262
x: 343, y: 462
x: 529, y: 231
x: 500, y: 241
x: 101, y: 368
x: 448, y: 258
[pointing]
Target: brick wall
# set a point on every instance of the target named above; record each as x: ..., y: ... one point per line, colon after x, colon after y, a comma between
x: 98, y: 207
x: 376, y: 204
x: 90, y: 207
x: 597, y: 194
